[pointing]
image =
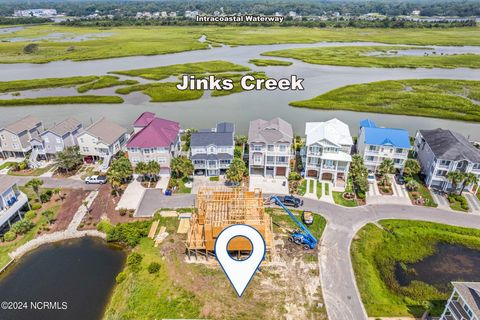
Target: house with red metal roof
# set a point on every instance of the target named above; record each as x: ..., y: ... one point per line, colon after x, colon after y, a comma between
x: 154, y: 139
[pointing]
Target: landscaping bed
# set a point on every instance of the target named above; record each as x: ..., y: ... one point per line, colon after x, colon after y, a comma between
x: 376, y: 252
x: 458, y: 202
x: 421, y: 196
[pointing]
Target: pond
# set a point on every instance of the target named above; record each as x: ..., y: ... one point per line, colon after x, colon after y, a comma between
x: 449, y: 263
x: 80, y: 273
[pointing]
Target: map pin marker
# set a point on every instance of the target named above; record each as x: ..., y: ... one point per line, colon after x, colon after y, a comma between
x: 240, y: 272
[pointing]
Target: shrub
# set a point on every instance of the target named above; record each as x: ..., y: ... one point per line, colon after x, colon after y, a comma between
x: 153, y: 267
x: 36, y: 206
x: 46, y: 196
x: 128, y: 233
x: 123, y: 211
x: 9, y: 236
x: 29, y: 215
x: 361, y: 195
x: 121, y: 277
x: 22, y: 226
x: 104, y: 226
x: 134, y: 260
x: 294, y: 176
x: 30, y: 48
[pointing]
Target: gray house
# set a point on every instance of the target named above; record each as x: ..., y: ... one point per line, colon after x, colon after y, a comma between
x: 270, y: 147
x: 464, y: 303
x: 211, y: 151
x: 57, y: 138
x: 15, y: 138
x: 441, y: 151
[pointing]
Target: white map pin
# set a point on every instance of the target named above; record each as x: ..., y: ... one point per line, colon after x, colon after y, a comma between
x: 240, y: 272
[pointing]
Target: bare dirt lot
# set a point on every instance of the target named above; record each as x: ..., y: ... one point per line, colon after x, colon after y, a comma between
x: 71, y: 203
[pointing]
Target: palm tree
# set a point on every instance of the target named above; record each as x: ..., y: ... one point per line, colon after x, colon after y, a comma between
x: 35, y: 184
x: 412, y: 185
x: 456, y: 178
x: 236, y: 171
x: 412, y: 168
x: 153, y: 169
x: 386, y: 167
x: 120, y: 170
x: 469, y: 179
x: 49, y: 215
x: 141, y: 169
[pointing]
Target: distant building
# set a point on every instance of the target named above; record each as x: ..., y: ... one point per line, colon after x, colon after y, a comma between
x: 212, y: 151
x: 191, y: 14
x: 328, y: 148
x: 464, y: 303
x: 101, y: 141
x: 154, y: 139
x: 415, y: 13
x: 13, y: 203
x: 376, y: 144
x: 164, y: 14
x: 441, y: 151
x: 172, y: 14
x: 270, y: 147
x: 292, y: 14
x: 216, y: 13
x: 39, y: 13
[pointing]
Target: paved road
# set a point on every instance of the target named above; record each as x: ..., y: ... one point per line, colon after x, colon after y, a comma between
x: 59, y: 183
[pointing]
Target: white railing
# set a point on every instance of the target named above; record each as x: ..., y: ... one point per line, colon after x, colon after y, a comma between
x: 7, y: 213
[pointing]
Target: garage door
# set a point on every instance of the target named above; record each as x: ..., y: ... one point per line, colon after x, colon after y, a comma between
x: 281, y: 171
x: 257, y: 171
x: 312, y: 173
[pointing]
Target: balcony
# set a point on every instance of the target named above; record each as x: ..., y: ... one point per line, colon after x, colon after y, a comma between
x: 7, y: 212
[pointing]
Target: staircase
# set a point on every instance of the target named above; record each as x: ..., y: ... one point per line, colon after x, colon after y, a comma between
x: 32, y: 160
x: 106, y: 163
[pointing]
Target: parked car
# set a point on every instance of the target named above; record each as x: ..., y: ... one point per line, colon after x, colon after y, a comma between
x: 96, y: 180
x: 371, y: 177
x: 307, y: 217
x: 291, y: 201
x: 399, y: 178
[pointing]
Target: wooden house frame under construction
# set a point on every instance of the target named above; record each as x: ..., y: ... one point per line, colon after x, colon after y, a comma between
x: 220, y: 207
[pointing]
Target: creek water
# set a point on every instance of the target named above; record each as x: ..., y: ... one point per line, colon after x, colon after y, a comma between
x: 77, y: 274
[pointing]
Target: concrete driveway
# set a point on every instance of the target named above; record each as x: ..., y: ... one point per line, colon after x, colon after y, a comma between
x: 132, y: 196
x: 473, y: 202
x: 154, y: 199
x: 203, y: 181
x: 399, y: 196
x: 269, y: 185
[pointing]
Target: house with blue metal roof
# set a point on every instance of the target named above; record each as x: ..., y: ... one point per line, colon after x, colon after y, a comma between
x: 376, y: 144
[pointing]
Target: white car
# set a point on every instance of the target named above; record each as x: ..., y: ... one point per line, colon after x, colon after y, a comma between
x: 371, y: 178
x: 96, y: 180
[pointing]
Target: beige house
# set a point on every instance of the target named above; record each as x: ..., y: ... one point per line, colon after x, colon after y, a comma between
x: 15, y: 138
x: 102, y: 140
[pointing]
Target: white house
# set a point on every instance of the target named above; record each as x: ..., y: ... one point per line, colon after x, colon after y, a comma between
x: 327, y: 155
x: 13, y: 203
x: 270, y: 147
x: 464, y: 302
x: 441, y: 151
x: 376, y: 144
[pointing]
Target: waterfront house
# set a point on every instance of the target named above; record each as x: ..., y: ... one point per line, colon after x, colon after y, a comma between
x: 270, y: 147
x: 441, y: 151
x: 376, y: 144
x: 212, y: 150
x: 327, y: 153
x: 13, y: 203
x: 154, y: 139
x: 101, y: 141
x: 56, y: 139
x: 15, y: 138
x: 464, y: 302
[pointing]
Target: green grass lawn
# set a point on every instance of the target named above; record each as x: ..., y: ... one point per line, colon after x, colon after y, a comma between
x: 338, y: 198
x: 6, y: 165
x: 356, y: 56
x: 302, y: 188
x: 437, y: 98
x: 279, y: 217
x: 319, y: 189
x: 269, y: 62
x: 34, y: 172
x: 456, y: 203
x: 87, y: 99
x: 311, y: 185
x: 216, y: 178
x: 375, y: 252
x: 327, y: 189
x: 424, y: 193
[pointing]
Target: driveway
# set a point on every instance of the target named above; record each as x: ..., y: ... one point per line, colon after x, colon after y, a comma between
x: 473, y: 202
x: 203, y: 181
x: 132, y: 196
x: 441, y: 200
x: 269, y: 185
x: 153, y: 199
x: 399, y: 196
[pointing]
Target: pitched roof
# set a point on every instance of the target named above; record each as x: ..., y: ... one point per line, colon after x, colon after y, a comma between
x: 470, y: 292
x: 158, y: 133
x: 106, y: 131
x: 223, y: 136
x: 6, y: 182
x: 144, y: 119
x: 23, y: 124
x: 66, y: 126
x: 384, y: 136
x: 275, y: 130
x: 332, y: 130
x: 450, y: 145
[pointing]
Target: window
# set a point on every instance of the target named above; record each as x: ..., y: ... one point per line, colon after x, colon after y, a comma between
x: 370, y: 158
x: 257, y: 148
x: 2, y: 137
x: 270, y: 159
x: 398, y: 150
x: 146, y: 151
x: 271, y: 147
x: 282, y: 159
x: 372, y: 148
x: 444, y: 162
x: 58, y: 148
x: 397, y: 161
x: 85, y: 149
x: 283, y: 148
x: 476, y: 166
x: 59, y: 140
x: 14, y: 138
x: 47, y: 140
x: 16, y: 146
x: 257, y: 158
